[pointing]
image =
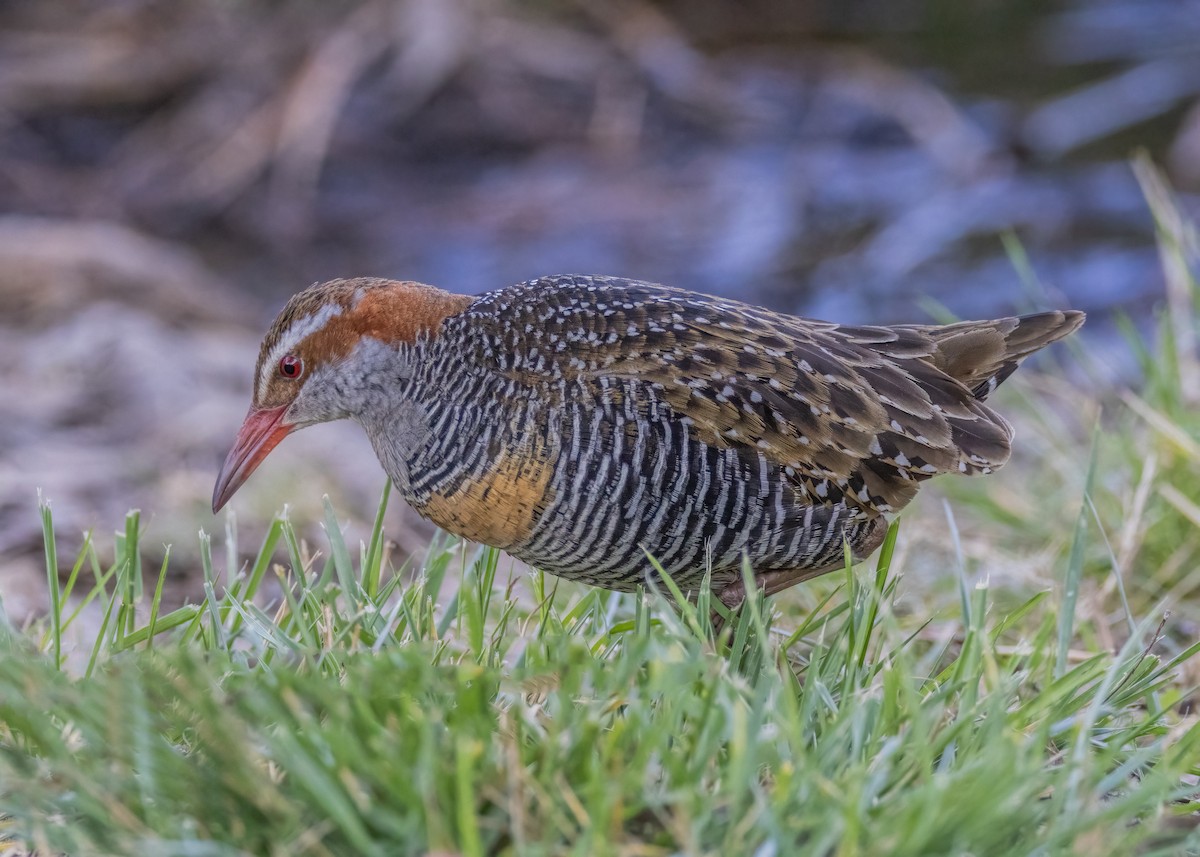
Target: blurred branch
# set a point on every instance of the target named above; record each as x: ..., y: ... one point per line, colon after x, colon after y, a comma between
x: 1101, y: 109
x: 663, y: 54
x: 310, y: 108
x: 50, y: 268
x: 926, y: 113
x: 105, y: 61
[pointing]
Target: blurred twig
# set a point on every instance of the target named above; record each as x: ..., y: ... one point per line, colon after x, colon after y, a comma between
x: 1103, y: 108
x: 313, y: 102
x: 933, y: 121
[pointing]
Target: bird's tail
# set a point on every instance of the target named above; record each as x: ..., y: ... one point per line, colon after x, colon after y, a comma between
x: 982, y: 354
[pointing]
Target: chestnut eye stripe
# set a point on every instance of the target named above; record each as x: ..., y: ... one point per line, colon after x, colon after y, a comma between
x: 290, y: 341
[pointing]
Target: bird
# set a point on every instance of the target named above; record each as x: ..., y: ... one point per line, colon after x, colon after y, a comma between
x: 587, y: 424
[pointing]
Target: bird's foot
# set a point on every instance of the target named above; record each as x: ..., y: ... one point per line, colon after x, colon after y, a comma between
x: 733, y: 594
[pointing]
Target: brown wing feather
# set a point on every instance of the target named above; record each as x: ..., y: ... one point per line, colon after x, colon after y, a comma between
x: 860, y: 414
x: 981, y: 354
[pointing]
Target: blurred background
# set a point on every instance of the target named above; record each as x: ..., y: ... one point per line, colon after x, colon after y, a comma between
x: 172, y: 170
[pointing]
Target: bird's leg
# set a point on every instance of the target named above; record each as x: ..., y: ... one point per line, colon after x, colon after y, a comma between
x: 769, y: 582
x: 865, y: 538
x: 733, y: 594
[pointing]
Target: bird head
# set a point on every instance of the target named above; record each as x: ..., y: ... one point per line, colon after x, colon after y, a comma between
x: 316, y: 360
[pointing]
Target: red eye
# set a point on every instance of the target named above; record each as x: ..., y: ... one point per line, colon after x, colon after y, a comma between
x: 291, y: 366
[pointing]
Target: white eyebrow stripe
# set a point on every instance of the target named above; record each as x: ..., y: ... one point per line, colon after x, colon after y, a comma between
x: 292, y: 337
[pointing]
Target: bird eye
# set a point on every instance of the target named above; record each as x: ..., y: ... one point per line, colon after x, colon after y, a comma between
x: 291, y: 366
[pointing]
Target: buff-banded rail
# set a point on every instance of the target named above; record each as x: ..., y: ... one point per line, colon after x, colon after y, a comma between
x: 584, y: 423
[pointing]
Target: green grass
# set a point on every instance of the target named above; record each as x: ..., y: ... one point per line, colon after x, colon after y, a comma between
x: 471, y: 718
x: 326, y: 703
